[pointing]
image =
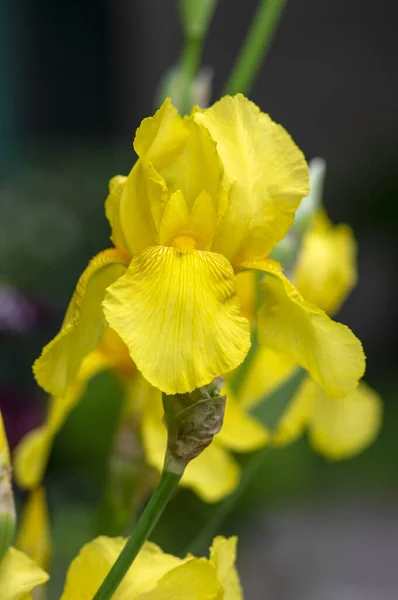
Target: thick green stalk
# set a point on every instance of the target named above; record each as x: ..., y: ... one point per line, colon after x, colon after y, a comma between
x: 255, y: 46
x: 167, y: 485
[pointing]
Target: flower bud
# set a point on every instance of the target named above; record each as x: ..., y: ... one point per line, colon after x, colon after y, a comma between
x: 192, y: 420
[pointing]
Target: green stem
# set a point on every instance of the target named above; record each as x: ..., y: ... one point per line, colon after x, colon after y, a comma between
x: 190, y: 60
x: 255, y: 46
x: 167, y: 485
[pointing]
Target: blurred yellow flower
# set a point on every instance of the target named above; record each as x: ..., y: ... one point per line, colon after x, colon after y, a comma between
x: 33, y: 535
x: 210, y: 195
x: 325, y: 272
x: 155, y: 575
x: 19, y: 575
x: 212, y: 475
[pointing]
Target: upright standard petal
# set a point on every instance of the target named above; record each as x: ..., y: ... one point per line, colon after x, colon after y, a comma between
x: 266, y: 172
x: 326, y: 269
x: 178, y: 313
x: 112, y: 211
x: 288, y: 324
x: 160, y: 139
x: 83, y: 326
x: 342, y: 427
x: 19, y: 575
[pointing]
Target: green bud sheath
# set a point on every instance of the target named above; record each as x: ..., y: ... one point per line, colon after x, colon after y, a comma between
x: 192, y: 420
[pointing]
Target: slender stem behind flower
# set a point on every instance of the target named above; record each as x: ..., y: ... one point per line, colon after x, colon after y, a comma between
x: 255, y: 47
x: 167, y: 485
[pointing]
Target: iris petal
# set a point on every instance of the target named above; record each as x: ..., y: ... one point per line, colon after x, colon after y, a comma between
x: 267, y: 172
x: 342, y: 427
x: 83, y: 326
x: 179, y: 316
x: 329, y: 351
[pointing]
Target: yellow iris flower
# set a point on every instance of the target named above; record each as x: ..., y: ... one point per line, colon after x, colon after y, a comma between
x: 325, y: 273
x: 19, y: 575
x: 210, y: 195
x: 155, y: 575
x: 212, y: 475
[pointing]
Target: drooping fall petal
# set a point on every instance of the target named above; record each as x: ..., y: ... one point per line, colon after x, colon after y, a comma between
x: 178, y: 313
x: 83, y: 326
x: 265, y: 171
x: 288, y: 324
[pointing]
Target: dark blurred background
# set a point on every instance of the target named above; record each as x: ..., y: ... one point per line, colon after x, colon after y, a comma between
x: 76, y: 78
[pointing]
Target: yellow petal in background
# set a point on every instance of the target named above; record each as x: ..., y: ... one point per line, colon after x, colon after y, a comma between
x: 326, y: 269
x: 295, y: 419
x: 19, y: 575
x: 34, y: 538
x: 196, y: 579
x: 267, y: 372
x: 179, y: 315
x: 112, y: 211
x: 240, y: 432
x: 83, y: 326
x: 342, y: 427
x: 32, y: 453
x: 267, y: 172
x: 223, y: 557
x: 329, y: 351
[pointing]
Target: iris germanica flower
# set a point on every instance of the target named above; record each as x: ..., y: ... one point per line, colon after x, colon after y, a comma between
x: 209, y: 196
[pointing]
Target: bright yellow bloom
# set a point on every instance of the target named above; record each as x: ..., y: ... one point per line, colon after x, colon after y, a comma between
x: 212, y: 475
x: 155, y: 575
x: 210, y: 195
x: 325, y: 273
